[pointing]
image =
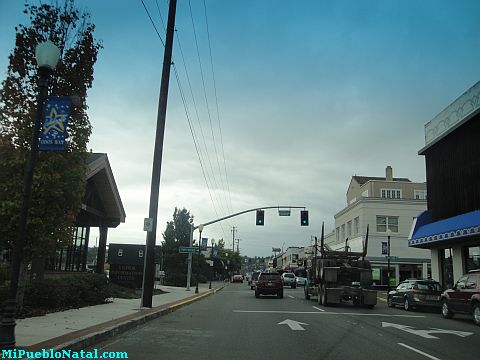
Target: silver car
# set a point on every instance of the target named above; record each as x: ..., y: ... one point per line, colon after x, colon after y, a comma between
x: 288, y: 279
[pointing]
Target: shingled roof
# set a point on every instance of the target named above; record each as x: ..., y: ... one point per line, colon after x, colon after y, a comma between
x: 363, y: 179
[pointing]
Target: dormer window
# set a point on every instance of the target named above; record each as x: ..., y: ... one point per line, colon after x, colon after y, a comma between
x: 120, y: 253
x: 391, y: 193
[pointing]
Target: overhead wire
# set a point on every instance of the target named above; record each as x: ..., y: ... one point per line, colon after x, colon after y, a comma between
x: 206, y: 98
x: 186, y: 111
x: 218, y: 112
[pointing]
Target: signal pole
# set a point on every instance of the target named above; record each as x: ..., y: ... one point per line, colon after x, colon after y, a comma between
x: 238, y: 245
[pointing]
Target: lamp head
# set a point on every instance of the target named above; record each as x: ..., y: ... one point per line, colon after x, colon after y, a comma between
x: 47, y: 55
x: 200, y: 227
x: 389, y: 232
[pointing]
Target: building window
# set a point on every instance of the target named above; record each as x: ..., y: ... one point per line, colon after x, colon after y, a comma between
x: 420, y: 194
x: 365, y: 193
x: 343, y: 232
x: 140, y: 253
x: 356, y: 224
x: 337, y: 234
x: 120, y: 252
x: 391, y: 193
x: 349, y: 228
x: 387, y: 222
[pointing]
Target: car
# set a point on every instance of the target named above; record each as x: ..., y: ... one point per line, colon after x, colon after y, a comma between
x: 269, y: 283
x: 464, y: 298
x: 288, y: 279
x: 254, y: 279
x: 237, y: 278
x: 300, y: 280
x: 415, y: 293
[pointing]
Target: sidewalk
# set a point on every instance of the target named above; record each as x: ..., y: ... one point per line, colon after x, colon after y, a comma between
x: 80, y: 328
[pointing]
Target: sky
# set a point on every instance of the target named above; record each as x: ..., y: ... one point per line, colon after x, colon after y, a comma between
x: 306, y: 95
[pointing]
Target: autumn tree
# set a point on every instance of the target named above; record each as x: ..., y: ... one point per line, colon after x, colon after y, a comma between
x: 59, y: 178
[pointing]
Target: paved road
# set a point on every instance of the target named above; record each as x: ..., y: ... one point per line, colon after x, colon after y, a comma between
x: 233, y: 324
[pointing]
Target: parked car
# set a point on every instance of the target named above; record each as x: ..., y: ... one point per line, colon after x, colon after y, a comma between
x: 464, y: 298
x: 269, y: 283
x: 237, y: 278
x: 254, y: 279
x: 288, y: 279
x: 415, y: 293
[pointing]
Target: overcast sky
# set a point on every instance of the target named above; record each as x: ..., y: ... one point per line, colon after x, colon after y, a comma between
x: 309, y: 94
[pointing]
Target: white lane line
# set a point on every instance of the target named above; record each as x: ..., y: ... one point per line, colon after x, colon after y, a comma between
x: 325, y: 312
x: 419, y: 351
x: 291, y: 297
x: 318, y: 308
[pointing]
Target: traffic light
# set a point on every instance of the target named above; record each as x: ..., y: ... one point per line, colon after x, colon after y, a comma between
x: 304, y: 217
x: 260, y: 217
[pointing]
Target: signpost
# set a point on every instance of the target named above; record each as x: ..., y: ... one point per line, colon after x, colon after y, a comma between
x: 188, y: 249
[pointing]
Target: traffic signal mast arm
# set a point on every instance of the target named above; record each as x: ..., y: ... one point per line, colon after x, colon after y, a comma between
x: 246, y: 211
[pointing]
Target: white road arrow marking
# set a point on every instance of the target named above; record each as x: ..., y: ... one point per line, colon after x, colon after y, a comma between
x: 294, y: 325
x: 426, y: 333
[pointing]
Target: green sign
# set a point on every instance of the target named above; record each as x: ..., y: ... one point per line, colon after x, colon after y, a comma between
x: 393, y: 282
x: 392, y: 258
x: 376, y: 274
x: 188, y: 249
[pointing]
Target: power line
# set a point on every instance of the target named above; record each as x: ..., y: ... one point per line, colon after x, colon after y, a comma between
x: 205, y: 95
x: 218, y: 112
x: 185, y: 107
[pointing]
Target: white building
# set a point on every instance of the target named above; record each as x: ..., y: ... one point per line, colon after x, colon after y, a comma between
x: 383, y: 204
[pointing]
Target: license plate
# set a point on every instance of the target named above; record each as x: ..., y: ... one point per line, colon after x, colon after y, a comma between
x: 269, y: 284
x: 433, y: 297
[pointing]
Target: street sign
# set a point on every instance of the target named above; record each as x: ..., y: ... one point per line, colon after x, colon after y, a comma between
x: 282, y: 212
x: 188, y: 249
x: 148, y: 224
x: 392, y: 258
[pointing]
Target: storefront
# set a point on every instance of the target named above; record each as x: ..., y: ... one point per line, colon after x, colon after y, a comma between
x: 450, y: 227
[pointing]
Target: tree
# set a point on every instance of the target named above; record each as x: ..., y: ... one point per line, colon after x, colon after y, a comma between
x: 176, y: 234
x: 59, y: 178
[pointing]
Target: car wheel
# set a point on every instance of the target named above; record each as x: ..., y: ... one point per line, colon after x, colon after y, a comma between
x: 257, y: 295
x: 390, y: 302
x: 280, y: 294
x: 446, y: 312
x: 476, y: 313
x: 294, y: 286
x: 406, y: 304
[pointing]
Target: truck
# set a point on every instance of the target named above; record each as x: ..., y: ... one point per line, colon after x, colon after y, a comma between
x: 337, y: 276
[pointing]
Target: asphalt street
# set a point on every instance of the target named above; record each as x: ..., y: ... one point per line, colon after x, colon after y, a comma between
x: 233, y: 324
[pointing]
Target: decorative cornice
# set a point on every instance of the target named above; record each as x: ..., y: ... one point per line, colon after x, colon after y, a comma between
x: 455, y: 114
x: 469, y: 231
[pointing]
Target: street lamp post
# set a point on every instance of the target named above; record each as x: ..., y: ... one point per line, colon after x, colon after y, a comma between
x: 389, y: 233
x: 200, y: 228
x: 213, y: 243
x: 47, y: 56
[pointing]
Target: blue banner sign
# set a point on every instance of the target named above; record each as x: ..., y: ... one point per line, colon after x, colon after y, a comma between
x: 54, y: 131
x: 204, y: 243
x: 384, y: 248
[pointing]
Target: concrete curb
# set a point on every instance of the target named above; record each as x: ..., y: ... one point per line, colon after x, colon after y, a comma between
x: 88, y: 337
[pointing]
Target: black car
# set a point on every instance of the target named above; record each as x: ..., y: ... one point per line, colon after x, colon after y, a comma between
x: 416, y: 293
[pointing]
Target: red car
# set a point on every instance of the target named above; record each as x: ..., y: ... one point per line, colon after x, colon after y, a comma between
x: 464, y: 298
x: 269, y: 284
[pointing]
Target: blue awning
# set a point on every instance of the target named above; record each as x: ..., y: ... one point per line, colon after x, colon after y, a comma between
x: 424, y: 232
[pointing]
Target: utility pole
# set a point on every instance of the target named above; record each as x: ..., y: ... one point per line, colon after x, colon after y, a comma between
x: 149, y: 265
x: 233, y: 238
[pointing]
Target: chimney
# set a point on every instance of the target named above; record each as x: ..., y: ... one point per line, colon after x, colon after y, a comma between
x: 389, y: 173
